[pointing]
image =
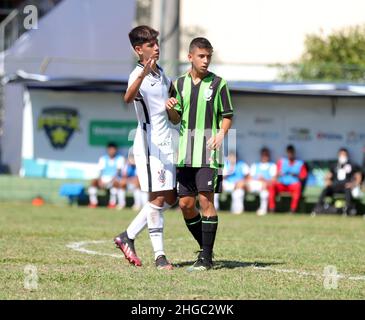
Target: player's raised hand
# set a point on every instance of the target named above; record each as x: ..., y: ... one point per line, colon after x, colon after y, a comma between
x: 150, y: 64
x: 171, y: 103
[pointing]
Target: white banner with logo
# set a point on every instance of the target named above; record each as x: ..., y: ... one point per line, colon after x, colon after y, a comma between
x: 65, y: 132
x: 313, y: 125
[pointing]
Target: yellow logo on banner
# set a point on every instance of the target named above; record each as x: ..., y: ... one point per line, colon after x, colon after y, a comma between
x: 59, y: 125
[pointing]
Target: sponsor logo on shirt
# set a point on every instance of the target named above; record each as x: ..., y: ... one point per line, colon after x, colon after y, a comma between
x: 208, y: 94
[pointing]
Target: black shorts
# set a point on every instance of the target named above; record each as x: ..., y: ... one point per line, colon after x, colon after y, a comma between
x: 191, y: 181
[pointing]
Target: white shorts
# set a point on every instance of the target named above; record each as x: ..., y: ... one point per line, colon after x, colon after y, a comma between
x: 107, y: 181
x: 155, y: 166
x: 255, y: 186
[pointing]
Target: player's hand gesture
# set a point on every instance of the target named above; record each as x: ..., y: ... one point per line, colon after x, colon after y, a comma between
x: 150, y: 65
x: 216, y: 141
x: 171, y: 103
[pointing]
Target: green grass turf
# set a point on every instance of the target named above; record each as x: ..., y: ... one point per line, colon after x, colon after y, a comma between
x: 38, y: 236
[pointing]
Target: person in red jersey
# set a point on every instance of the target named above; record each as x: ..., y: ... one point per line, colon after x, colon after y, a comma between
x: 291, y: 174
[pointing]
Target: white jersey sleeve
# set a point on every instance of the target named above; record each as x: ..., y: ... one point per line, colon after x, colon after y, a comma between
x: 253, y: 170
x: 273, y: 170
x: 133, y: 76
x: 120, y: 163
x: 245, y: 169
x: 101, y: 164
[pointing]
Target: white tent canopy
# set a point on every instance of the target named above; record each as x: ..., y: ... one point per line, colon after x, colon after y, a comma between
x: 85, y: 38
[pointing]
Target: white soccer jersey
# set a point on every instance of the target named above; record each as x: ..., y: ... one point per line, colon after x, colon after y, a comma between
x: 265, y: 170
x: 109, y: 167
x: 153, y: 146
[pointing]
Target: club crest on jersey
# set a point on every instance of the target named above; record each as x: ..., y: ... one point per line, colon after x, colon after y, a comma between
x: 59, y: 124
x: 162, y: 176
x: 208, y: 94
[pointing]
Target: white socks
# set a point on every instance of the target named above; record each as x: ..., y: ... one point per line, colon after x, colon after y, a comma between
x: 264, y: 196
x: 121, y: 198
x: 237, y: 201
x: 152, y: 216
x: 139, y: 222
x: 137, y: 196
x: 155, y: 223
x: 113, y: 196
x: 93, y: 199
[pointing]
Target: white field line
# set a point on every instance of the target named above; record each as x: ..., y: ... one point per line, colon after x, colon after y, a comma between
x: 80, y: 247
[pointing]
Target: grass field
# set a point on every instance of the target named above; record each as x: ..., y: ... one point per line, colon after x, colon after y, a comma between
x: 273, y: 257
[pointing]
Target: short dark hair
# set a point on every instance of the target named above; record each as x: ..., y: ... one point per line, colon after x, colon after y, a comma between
x: 201, y: 43
x: 265, y: 150
x: 142, y: 34
x: 343, y: 149
x: 290, y: 148
x: 112, y: 145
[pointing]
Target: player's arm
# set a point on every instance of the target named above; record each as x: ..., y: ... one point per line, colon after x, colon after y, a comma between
x: 278, y: 170
x: 226, y: 111
x: 356, y: 179
x: 273, y: 172
x: 101, y: 167
x: 216, y: 141
x: 172, y: 105
x: 132, y: 90
x: 121, y: 163
x: 303, y: 174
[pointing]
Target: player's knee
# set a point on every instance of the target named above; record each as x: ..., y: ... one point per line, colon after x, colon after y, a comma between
x: 186, y: 204
x: 205, y: 203
x: 123, y: 183
x: 171, y: 198
x: 298, y: 187
x: 158, y: 201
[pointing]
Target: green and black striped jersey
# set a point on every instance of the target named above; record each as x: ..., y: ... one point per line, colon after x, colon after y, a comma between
x: 202, y: 108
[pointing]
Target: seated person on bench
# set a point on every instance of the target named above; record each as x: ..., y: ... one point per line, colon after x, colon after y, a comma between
x: 110, y: 166
x: 345, y: 177
x: 261, y: 176
x: 291, y: 174
x: 234, y: 174
x: 130, y: 181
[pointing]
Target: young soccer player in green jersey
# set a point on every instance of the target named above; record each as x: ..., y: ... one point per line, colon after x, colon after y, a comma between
x: 202, y: 102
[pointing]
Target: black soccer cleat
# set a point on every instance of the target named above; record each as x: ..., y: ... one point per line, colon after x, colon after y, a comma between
x: 163, y: 264
x: 201, y: 264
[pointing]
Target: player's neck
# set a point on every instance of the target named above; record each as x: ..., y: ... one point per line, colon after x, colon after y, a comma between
x: 197, y: 76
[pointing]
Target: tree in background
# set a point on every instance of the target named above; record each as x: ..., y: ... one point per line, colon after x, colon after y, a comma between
x: 339, y: 56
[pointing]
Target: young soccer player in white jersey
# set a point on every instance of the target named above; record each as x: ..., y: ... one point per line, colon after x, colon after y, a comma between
x: 149, y: 88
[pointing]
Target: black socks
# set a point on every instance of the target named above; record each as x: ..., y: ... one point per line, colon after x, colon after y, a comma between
x: 209, y: 230
x: 195, y: 227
